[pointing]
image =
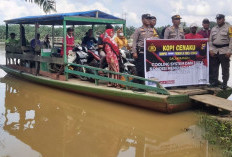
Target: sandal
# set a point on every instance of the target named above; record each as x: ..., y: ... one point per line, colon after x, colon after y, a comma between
x: 110, y: 85
x: 118, y: 87
x: 101, y: 73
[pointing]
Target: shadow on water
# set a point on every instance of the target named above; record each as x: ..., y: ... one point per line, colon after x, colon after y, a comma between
x: 55, y: 123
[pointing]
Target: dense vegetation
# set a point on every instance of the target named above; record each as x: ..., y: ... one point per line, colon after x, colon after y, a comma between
x: 218, y: 132
x: 79, y: 32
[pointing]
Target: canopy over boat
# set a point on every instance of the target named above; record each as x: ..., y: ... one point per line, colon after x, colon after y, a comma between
x: 75, y: 18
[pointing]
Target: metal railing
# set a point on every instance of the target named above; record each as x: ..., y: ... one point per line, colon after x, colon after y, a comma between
x: 127, y: 83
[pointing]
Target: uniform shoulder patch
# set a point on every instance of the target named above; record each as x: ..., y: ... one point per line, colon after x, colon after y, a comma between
x: 155, y: 33
x: 141, y: 29
x: 230, y: 32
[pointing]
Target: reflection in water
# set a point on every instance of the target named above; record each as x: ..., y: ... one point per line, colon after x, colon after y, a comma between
x: 61, y: 124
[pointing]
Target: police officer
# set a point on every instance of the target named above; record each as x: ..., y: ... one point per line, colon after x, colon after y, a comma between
x: 220, y: 50
x: 138, y: 43
x: 175, y: 31
x: 152, y: 25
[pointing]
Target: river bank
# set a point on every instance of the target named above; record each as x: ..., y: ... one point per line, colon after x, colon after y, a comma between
x: 218, y: 131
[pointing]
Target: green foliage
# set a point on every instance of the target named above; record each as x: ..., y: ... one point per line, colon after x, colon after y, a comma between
x: 47, y: 5
x: 212, y: 24
x: 218, y: 132
x: 79, y: 31
x: 129, y: 31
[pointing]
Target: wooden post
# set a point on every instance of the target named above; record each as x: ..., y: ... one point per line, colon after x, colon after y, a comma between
x: 127, y: 80
x: 36, y: 68
x: 7, y: 31
x: 36, y: 30
x: 93, y: 28
x: 124, y: 30
x: 65, y: 47
x: 96, y: 80
x: 6, y: 39
x: 52, y: 36
x: 21, y: 35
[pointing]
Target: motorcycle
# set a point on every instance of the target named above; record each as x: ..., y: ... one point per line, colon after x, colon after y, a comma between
x: 79, y: 56
x: 127, y: 62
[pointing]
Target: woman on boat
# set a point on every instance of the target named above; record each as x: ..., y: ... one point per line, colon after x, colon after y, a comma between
x: 121, y: 40
x: 112, y: 55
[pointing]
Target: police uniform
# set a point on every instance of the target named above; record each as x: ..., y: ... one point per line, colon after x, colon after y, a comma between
x: 138, y: 45
x: 172, y: 32
x: 155, y: 32
x: 220, y: 42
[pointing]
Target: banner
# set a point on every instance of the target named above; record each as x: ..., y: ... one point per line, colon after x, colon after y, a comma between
x: 177, y: 62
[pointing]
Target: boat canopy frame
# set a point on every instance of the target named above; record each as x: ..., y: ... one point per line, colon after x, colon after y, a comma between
x: 94, y: 17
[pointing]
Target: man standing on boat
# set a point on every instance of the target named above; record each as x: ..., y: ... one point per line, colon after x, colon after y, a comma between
x: 193, y: 32
x: 220, y: 50
x: 175, y: 31
x: 205, y: 32
x: 36, y: 42
x: 12, y: 40
x: 144, y: 32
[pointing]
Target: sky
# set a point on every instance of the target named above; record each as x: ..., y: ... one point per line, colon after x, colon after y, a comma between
x: 191, y: 11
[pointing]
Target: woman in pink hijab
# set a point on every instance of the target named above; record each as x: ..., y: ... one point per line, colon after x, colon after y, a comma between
x: 112, y: 55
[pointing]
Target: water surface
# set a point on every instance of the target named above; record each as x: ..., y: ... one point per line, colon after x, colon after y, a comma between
x: 38, y: 121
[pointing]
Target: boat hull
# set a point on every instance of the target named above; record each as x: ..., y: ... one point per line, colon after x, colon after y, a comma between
x: 157, y: 102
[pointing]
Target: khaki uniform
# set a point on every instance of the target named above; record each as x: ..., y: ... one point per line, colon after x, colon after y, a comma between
x: 173, y: 33
x: 220, y: 42
x: 138, y: 38
x: 138, y: 47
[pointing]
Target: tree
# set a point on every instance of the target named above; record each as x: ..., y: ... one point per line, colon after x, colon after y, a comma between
x: 212, y: 24
x: 47, y: 5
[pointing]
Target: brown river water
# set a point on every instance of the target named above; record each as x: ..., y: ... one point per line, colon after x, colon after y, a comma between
x: 38, y: 121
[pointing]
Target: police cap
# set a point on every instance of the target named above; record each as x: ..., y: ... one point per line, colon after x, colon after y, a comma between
x: 176, y: 17
x: 220, y: 16
x: 205, y: 21
x: 146, y: 16
x: 153, y: 17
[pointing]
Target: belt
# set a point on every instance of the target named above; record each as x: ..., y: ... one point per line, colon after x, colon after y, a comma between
x: 140, y: 49
x: 220, y: 46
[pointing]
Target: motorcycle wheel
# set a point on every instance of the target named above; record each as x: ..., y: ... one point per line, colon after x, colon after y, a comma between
x: 132, y: 70
x: 82, y: 69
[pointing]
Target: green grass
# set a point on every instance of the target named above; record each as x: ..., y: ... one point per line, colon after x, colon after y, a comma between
x: 218, y: 132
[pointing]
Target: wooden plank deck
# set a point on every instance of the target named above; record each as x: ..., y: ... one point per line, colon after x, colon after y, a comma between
x: 213, y: 101
x: 189, y: 91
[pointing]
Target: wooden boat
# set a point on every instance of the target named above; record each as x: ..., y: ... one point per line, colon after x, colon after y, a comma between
x: 156, y: 98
